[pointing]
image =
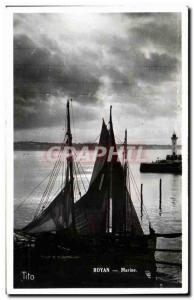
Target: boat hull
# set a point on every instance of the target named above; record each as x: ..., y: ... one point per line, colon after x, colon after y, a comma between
x: 126, y: 260
x: 164, y: 167
x: 108, y: 243
x: 98, y: 243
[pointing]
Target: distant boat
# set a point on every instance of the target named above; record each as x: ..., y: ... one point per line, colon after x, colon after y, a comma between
x: 172, y: 163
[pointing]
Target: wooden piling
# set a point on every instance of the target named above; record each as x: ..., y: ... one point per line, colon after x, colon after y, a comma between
x: 160, y: 194
x: 141, y: 200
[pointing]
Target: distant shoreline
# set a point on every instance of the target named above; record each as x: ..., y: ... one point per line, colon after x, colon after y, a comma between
x: 35, y: 146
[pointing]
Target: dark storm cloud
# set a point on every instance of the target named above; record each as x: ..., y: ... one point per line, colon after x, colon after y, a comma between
x: 44, y: 113
x: 158, y: 67
x: 128, y: 59
x: 133, y: 61
x: 162, y: 35
x: 38, y: 72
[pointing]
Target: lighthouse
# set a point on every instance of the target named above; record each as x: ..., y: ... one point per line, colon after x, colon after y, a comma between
x: 174, y: 139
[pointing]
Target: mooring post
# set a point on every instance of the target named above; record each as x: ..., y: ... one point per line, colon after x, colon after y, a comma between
x: 141, y: 200
x: 160, y: 195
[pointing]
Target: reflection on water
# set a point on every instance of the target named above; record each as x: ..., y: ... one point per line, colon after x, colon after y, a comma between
x: 31, y: 167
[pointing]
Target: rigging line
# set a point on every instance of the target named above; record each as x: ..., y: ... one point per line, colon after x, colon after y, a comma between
x: 80, y: 176
x: 62, y: 170
x: 83, y: 172
x: 96, y: 138
x: 57, y: 161
x: 78, y: 188
x: 62, y: 166
x: 36, y: 187
x: 51, y: 178
x: 75, y: 193
x: 138, y: 195
x: 128, y: 177
x: 45, y: 201
x: 133, y: 180
x: 54, y: 168
x: 135, y: 188
x: 52, y: 184
x: 117, y: 138
x: 43, y: 197
x: 55, y: 195
x: 74, y: 188
x: 73, y: 121
x: 76, y: 176
x: 135, y: 185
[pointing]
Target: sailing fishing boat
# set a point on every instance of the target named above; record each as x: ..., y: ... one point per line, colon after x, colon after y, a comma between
x: 105, y: 214
x: 101, y: 228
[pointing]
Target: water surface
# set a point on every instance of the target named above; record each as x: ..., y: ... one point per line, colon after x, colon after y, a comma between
x: 31, y: 167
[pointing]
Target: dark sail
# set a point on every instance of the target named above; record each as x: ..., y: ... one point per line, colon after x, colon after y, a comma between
x: 107, y: 201
x: 108, y: 183
x: 56, y: 216
x: 91, y: 210
x: 101, y: 157
x: 124, y: 217
x: 132, y: 222
x: 60, y: 213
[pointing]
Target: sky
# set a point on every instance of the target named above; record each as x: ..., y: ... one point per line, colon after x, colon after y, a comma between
x: 131, y: 61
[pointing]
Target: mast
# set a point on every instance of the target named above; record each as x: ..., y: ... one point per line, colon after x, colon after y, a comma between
x: 70, y: 164
x: 125, y: 148
x: 110, y: 206
x: 125, y: 183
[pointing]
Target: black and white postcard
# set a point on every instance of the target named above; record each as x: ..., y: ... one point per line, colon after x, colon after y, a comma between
x: 97, y: 150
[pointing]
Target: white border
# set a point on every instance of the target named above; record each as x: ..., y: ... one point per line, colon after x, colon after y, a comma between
x: 8, y: 67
